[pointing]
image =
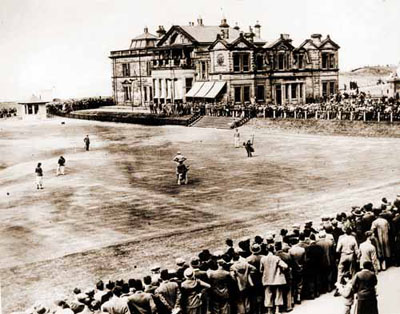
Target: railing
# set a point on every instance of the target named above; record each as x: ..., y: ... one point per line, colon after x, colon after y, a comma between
x: 364, y: 116
x: 193, y: 119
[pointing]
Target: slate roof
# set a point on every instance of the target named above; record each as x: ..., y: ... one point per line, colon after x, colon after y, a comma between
x: 208, y: 34
x: 33, y: 100
x: 144, y: 40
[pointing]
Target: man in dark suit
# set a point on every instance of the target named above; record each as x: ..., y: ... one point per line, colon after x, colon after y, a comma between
x: 364, y: 284
x: 86, y: 140
x: 312, y: 269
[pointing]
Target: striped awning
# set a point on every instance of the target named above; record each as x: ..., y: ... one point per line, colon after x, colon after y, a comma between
x: 215, y: 90
x: 206, y: 89
x: 194, y: 90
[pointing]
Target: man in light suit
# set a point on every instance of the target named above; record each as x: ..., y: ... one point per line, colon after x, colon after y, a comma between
x: 273, y: 279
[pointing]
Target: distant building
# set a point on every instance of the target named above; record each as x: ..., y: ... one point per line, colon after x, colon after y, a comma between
x: 35, y: 107
x: 394, y: 84
x: 222, y: 63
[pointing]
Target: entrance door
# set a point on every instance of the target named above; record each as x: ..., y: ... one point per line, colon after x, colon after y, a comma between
x: 278, y: 93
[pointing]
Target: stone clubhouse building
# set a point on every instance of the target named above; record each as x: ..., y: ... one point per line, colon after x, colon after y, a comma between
x: 201, y: 63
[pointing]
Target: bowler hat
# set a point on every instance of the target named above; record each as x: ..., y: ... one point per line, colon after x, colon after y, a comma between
x: 194, y: 262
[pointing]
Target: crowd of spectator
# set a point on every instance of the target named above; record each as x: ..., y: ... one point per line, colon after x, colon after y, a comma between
x: 67, y: 106
x: 339, y: 106
x: 268, y: 273
x: 8, y: 112
x: 169, y: 109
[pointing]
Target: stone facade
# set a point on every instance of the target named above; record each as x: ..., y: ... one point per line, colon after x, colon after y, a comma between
x: 184, y: 64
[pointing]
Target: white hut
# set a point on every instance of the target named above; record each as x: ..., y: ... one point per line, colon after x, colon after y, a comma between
x: 35, y: 107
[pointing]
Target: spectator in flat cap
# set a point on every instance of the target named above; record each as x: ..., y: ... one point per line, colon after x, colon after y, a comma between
x: 244, y: 246
x: 312, y: 269
x: 396, y: 202
x: 364, y: 284
x: 297, y: 253
x: 95, y: 306
x: 192, y: 290
x: 308, y: 225
x: 204, y: 256
x: 169, y: 295
x: 110, y: 285
x: 195, y: 265
x: 256, y: 291
x: 287, y: 288
x: 368, y: 252
x: 347, y: 248
x: 328, y: 262
x: 62, y: 307
x: 241, y: 272
x: 149, y: 285
x: 380, y: 227
x: 40, y: 309
x: 125, y: 290
x: 77, y: 291
x: 132, y: 283
x: 100, y: 292
x: 76, y: 306
x: 181, y: 267
x: 89, y: 293
x: 219, y: 293
x: 273, y: 279
x: 116, y: 304
x: 141, y: 302
x: 230, y: 249
x: 155, y: 274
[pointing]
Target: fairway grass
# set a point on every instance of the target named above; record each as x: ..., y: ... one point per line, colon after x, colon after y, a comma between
x: 118, y: 209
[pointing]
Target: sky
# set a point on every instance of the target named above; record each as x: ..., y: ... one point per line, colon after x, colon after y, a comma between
x: 60, y: 48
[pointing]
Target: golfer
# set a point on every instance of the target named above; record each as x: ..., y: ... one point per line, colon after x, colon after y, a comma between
x: 39, y: 176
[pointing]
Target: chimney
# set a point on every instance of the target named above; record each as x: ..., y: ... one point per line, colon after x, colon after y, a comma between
x: 257, y: 30
x: 161, y: 31
x: 250, y: 34
x: 224, y: 26
x: 316, y: 38
x: 200, y: 21
x: 285, y: 36
x: 146, y: 30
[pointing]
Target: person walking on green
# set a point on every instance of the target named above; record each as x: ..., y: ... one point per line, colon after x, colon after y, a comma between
x: 86, y: 140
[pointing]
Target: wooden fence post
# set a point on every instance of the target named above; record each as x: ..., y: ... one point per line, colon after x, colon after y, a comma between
x: 340, y: 115
x: 391, y: 117
x: 274, y: 114
x: 364, y: 116
x: 351, y: 115
x: 379, y: 116
x: 316, y: 114
x: 295, y: 114
x: 284, y: 114
x: 328, y: 114
x: 305, y: 115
